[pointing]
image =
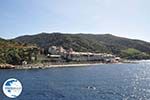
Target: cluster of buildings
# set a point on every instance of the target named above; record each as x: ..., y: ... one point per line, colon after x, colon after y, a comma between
x: 60, y: 54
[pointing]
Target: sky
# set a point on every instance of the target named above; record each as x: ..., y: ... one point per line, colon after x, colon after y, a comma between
x: 125, y: 18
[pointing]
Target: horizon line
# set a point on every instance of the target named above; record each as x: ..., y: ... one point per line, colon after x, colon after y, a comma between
x: 53, y: 32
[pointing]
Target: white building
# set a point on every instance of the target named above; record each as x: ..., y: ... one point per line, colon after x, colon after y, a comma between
x: 72, y: 55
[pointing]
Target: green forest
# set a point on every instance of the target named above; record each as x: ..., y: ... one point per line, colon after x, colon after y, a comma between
x: 25, y: 48
x: 103, y: 43
x: 14, y: 53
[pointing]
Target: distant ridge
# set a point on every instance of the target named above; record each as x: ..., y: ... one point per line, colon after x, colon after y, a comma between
x: 107, y: 43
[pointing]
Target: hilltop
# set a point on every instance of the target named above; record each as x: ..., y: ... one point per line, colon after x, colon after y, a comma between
x: 24, y: 48
x: 106, y: 43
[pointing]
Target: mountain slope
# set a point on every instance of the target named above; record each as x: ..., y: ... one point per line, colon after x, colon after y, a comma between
x: 86, y: 42
x: 12, y: 52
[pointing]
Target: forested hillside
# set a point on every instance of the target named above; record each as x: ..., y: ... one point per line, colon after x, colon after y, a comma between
x: 105, y: 43
x: 12, y: 52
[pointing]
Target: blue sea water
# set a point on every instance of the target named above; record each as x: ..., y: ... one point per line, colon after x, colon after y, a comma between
x: 95, y: 82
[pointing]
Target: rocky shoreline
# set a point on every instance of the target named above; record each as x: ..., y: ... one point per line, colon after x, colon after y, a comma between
x: 44, y: 66
x: 52, y: 65
x: 6, y: 66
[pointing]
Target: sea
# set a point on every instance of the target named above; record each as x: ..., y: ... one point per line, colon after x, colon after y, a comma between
x: 129, y: 81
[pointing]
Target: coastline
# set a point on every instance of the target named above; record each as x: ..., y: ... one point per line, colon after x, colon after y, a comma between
x: 57, y: 65
x: 46, y: 66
